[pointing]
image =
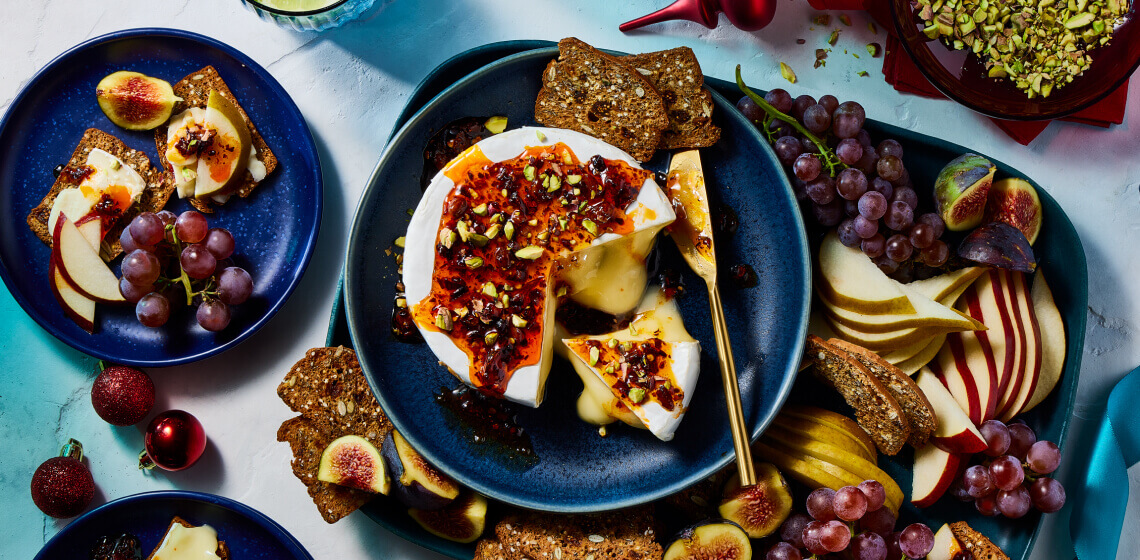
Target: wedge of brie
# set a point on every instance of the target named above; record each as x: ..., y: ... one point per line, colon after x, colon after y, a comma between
x: 510, y: 225
x: 108, y: 181
x: 643, y: 375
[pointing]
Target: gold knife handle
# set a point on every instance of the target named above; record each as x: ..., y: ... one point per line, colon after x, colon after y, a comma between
x: 740, y: 439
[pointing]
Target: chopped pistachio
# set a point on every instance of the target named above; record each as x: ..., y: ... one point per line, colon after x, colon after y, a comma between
x: 480, y: 210
x: 862, y: 73
x: 590, y: 226
x: 573, y: 179
x: 874, y: 49
x: 490, y: 338
x: 478, y: 239
x: 594, y: 355
x: 612, y: 343
x: 489, y: 289
x: 636, y: 395
x: 517, y: 321
x: 447, y: 237
x: 493, y: 231
x: 496, y: 124
x: 473, y: 262
x: 541, y: 137
x: 399, y: 242
x: 530, y: 252
x: 787, y: 72
x: 464, y: 231
x: 509, y: 230
x: 443, y: 320
x: 834, y: 38
x: 528, y: 172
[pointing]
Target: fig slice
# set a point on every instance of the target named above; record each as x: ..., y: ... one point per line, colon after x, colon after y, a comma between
x: 1000, y: 245
x: 1015, y: 202
x: 962, y: 189
x: 711, y: 540
x: 354, y: 462
x: 135, y: 101
x: 461, y: 521
x: 761, y: 508
x: 418, y: 484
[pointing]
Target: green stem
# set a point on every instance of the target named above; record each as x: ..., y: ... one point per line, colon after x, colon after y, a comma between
x: 182, y: 277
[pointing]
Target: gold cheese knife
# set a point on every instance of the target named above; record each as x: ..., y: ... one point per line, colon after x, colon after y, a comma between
x: 693, y: 234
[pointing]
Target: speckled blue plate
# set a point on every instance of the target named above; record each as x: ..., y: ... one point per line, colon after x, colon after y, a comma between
x: 576, y: 469
x: 275, y: 228
x: 248, y: 533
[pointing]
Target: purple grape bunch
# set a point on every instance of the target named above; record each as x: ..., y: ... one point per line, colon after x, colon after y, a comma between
x: 1012, y: 476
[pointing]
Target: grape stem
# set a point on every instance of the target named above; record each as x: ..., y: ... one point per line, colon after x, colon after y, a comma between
x: 827, y: 154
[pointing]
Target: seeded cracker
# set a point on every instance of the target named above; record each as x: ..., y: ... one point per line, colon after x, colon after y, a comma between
x: 194, y: 90
x: 157, y: 191
x: 594, y: 93
x: 308, y: 443
x: 618, y: 535
x: 677, y: 76
x: 978, y: 544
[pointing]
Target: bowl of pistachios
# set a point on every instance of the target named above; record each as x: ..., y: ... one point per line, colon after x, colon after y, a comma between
x: 1021, y: 59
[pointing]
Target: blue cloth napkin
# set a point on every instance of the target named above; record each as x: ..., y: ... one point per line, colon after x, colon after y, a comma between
x: 1098, y: 508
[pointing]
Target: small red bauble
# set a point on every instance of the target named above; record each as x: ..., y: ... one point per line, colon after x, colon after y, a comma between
x: 174, y: 440
x: 62, y: 486
x: 122, y: 395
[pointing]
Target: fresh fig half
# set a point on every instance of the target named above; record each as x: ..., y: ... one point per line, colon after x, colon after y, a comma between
x: 962, y: 189
x: 461, y: 521
x: 135, y: 101
x: 354, y: 462
x: 1000, y: 245
x: 711, y: 540
x: 418, y: 484
x: 1015, y: 202
x: 761, y: 508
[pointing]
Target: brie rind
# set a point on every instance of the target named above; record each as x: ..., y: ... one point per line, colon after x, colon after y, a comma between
x: 77, y: 202
x: 650, y: 212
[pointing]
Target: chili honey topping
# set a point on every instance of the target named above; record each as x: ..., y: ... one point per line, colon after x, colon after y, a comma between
x: 503, y: 228
x: 637, y: 371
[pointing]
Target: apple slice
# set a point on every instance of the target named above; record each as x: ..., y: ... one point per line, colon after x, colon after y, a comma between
x: 1022, y: 303
x: 221, y: 166
x: 70, y: 202
x: 956, y: 433
x: 81, y: 266
x: 1052, y: 329
x: 76, y: 306
x: 934, y: 471
x: 1016, y: 352
x: 92, y: 229
x: 850, y: 280
x: 946, y: 547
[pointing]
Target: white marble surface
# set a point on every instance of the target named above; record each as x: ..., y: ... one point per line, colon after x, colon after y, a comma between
x: 350, y: 83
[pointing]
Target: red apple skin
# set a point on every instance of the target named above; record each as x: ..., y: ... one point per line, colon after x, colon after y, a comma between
x: 989, y: 307
x: 54, y: 278
x: 934, y: 471
x: 61, y: 266
x: 1015, y: 353
x: 1031, y: 360
x: 962, y: 442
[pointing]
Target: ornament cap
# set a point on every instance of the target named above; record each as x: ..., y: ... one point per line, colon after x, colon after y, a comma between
x: 72, y: 449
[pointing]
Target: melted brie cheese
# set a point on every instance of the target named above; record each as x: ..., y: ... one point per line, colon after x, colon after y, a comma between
x: 603, y: 274
x: 109, y: 174
x: 185, y: 167
x: 188, y: 543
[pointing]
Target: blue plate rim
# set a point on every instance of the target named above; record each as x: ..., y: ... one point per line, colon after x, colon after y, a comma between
x: 309, y: 145
x: 262, y: 520
x: 791, y: 368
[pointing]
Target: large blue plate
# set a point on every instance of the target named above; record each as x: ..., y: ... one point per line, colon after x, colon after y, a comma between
x: 576, y: 469
x: 275, y: 228
x: 248, y: 533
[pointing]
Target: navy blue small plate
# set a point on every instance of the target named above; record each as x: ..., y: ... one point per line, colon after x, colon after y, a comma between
x: 576, y: 470
x: 248, y: 533
x: 275, y: 228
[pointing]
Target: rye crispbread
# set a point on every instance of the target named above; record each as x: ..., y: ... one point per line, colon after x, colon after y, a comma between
x: 877, y: 412
x: 981, y: 547
x: 153, y: 198
x: 328, y: 388
x: 223, y: 551
x: 594, y: 93
x: 629, y: 534
x: 919, y: 414
x: 194, y: 90
x: 677, y: 77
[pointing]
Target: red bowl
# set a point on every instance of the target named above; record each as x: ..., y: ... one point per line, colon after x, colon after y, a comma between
x: 961, y: 76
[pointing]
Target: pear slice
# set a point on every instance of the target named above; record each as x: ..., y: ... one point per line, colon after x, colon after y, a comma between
x: 938, y: 287
x: 928, y: 313
x: 833, y: 420
x: 855, y: 466
x: 222, y: 164
x: 850, y: 280
x: 911, y: 365
x: 825, y: 433
x: 891, y: 340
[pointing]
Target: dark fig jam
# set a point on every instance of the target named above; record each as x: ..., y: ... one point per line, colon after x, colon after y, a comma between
x: 578, y: 319
x: 491, y: 420
x: 743, y: 276
x: 451, y: 140
x: 671, y: 282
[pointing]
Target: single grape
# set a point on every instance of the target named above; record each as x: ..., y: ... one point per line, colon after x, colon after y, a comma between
x: 883, y: 187
x: 904, y: 179
x: 978, y: 481
x: 800, y: 104
x: 916, y: 540
x: 1043, y: 457
x: 1014, y: 503
x: 808, y: 145
x: 907, y: 195
x: 864, y: 138
x: 133, y: 292
x: 899, y: 215
x: 234, y: 285
x: 750, y: 110
x: 799, y: 189
x: 873, y: 205
x: 141, y: 267
x: 1047, y: 494
x: 787, y: 149
x: 1021, y: 438
x: 874, y: 246
x: 153, y: 310
x: 820, y: 190
x: 935, y: 221
x: 868, y: 546
x: 828, y: 215
x: 889, y: 167
x: 921, y: 236
x: 792, y: 530
x: 987, y: 505
x: 220, y: 243
x: 811, y: 537
x: 147, y: 229
x: 851, y: 208
x: 847, y: 119
x: 807, y: 167
x: 213, y: 315
x: 191, y: 226
x: 128, y: 242
x: 997, y: 436
x: 890, y: 147
x: 1007, y: 472
x: 849, y: 503
x: 886, y: 264
x: 864, y: 227
x: 834, y: 535
x: 168, y: 218
x: 780, y: 99
x: 848, y: 235
x: 898, y: 248
x: 816, y: 119
x: 880, y: 521
x: 197, y: 262
x: 783, y: 551
x: 819, y: 504
x: 849, y: 150
x: 893, y: 550
x: 936, y: 254
x: 874, y: 492
x: 829, y: 102
x: 779, y: 128
x: 851, y: 184
x: 959, y: 491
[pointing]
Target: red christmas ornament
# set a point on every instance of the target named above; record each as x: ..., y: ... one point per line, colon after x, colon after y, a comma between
x: 749, y: 15
x: 174, y: 440
x: 62, y: 486
x: 122, y: 395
